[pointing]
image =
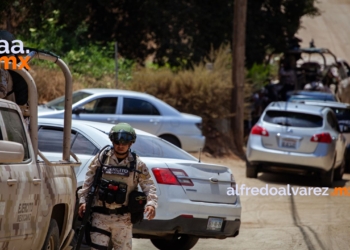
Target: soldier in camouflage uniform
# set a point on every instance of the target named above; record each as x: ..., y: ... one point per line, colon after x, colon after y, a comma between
x: 117, y: 226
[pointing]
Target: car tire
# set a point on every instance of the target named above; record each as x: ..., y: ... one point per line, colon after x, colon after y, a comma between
x: 339, y: 171
x: 52, y: 239
x: 251, y: 170
x: 183, y: 242
x: 327, y: 178
x: 172, y: 139
x: 347, y: 166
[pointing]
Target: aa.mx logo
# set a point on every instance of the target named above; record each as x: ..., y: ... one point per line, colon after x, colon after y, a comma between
x: 341, y: 191
x: 13, y: 59
x: 16, y: 48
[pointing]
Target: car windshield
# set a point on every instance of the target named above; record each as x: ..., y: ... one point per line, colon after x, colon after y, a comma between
x: 58, y: 103
x: 148, y: 146
x: 293, y: 119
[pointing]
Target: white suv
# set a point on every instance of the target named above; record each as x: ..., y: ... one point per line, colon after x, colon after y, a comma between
x: 297, y: 138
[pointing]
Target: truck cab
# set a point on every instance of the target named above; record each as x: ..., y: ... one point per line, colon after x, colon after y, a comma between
x: 37, y: 196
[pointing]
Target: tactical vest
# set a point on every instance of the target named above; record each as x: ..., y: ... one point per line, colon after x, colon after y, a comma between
x: 116, y: 183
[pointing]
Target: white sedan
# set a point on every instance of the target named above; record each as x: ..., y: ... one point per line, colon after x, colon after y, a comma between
x: 193, y: 201
x: 140, y: 110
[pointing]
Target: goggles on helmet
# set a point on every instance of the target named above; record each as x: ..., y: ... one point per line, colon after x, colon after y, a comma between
x: 122, y: 138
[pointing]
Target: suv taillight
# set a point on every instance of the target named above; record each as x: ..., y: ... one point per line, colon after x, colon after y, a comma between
x: 322, y: 137
x: 171, y: 176
x: 257, y: 130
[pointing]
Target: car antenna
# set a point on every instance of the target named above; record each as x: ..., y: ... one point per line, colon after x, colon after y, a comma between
x: 200, y: 153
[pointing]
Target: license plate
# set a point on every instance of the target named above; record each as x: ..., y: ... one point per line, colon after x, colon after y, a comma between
x: 288, y: 143
x: 214, y: 224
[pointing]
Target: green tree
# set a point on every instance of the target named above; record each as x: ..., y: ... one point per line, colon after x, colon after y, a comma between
x: 177, y: 33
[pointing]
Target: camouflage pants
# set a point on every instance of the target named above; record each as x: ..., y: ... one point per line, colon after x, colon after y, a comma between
x: 119, y: 226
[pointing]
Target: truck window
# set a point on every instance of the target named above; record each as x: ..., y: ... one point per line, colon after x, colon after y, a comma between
x: 14, y: 129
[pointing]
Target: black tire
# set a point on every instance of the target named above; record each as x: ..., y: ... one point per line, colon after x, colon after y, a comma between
x: 339, y: 171
x: 172, y: 139
x: 347, y: 165
x: 327, y: 178
x: 52, y: 240
x: 183, y: 242
x: 251, y: 170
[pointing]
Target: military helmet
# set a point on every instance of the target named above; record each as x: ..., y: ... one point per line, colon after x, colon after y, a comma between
x: 122, y: 133
x: 5, y: 35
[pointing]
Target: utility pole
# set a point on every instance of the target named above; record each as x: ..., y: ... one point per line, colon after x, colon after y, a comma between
x: 116, y: 64
x: 238, y: 74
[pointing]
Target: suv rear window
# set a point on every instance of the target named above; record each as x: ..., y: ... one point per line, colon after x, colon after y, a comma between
x: 293, y: 119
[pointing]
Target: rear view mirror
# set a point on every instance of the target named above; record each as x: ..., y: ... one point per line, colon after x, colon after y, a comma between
x: 11, y: 152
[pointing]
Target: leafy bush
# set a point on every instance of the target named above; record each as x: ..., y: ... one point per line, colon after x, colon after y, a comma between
x: 89, y: 60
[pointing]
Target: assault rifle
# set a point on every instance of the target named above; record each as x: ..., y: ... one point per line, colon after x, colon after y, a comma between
x: 90, y: 198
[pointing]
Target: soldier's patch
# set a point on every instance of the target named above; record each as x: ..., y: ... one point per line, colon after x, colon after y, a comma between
x: 145, y: 170
x: 145, y: 173
x: 117, y: 170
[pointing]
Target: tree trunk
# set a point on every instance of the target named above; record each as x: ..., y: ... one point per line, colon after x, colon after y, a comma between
x: 238, y: 72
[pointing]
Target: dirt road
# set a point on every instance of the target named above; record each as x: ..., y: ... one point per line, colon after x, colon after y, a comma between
x: 282, y: 222
x: 330, y: 30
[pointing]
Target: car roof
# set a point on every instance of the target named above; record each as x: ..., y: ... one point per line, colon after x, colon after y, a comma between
x: 326, y: 103
x: 165, y: 107
x: 309, y: 93
x: 295, y: 107
x: 104, y: 127
x: 114, y: 91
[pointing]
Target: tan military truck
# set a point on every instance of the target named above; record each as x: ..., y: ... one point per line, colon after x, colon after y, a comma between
x: 37, y: 197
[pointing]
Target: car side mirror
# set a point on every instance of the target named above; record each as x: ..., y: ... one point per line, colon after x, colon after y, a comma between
x: 11, y: 152
x: 78, y: 110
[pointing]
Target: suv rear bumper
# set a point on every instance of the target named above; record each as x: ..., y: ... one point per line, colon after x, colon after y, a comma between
x: 321, y: 159
x: 183, y: 225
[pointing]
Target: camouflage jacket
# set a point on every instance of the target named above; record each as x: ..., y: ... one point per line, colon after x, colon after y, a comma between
x: 143, y: 179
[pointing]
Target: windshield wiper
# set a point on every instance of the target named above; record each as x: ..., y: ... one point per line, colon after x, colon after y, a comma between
x: 284, y: 124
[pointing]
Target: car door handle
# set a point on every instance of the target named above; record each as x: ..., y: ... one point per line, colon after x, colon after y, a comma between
x: 111, y: 119
x: 11, y: 182
x: 154, y: 120
x: 36, y: 181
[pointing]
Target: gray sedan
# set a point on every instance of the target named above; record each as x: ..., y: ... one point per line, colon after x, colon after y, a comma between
x: 297, y: 138
x: 192, y: 195
x: 140, y: 110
